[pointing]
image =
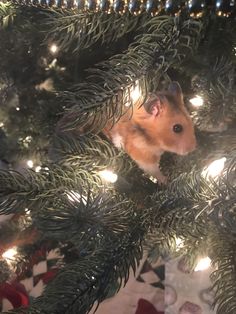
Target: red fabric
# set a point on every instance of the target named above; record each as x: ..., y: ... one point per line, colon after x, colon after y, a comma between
x: 145, y: 307
x: 15, y: 293
x: 49, y: 275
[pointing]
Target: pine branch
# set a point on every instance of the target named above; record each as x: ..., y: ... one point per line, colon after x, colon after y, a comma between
x: 219, y: 96
x: 192, y: 190
x: 87, y: 280
x: 36, y: 190
x: 21, y: 17
x: 80, y: 284
x: 86, y: 218
x: 90, y: 152
x: 5, y: 272
x: 222, y: 252
x: 7, y: 14
x: 106, y: 93
x: 76, y: 30
x: 191, y: 198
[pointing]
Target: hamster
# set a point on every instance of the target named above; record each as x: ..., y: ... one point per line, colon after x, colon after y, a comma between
x: 161, y: 124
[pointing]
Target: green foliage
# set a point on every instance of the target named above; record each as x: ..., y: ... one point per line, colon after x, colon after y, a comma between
x: 5, y: 272
x: 219, y: 90
x: 107, y: 225
x: 7, y: 14
x: 190, y: 191
x: 86, y: 218
x: 74, y: 30
x: 35, y: 190
x: 223, y: 257
x: 211, y: 71
x: 106, y: 91
x: 90, y: 152
x: 79, y: 285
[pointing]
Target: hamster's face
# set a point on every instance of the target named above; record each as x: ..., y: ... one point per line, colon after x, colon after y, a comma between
x: 175, y: 131
x: 167, y: 122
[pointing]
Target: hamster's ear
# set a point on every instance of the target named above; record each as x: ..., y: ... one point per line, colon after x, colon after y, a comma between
x: 175, y: 89
x: 153, y: 105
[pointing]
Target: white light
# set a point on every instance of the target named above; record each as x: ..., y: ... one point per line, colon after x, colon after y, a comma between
x: 203, y: 264
x: 108, y: 176
x: 9, y: 254
x: 53, y: 48
x: 179, y: 243
x: 135, y: 92
x: 73, y: 196
x: 27, y: 211
x: 28, y: 138
x: 197, y: 101
x: 1, y: 124
x: 17, y: 108
x: 30, y: 163
x: 37, y: 169
x: 214, y: 169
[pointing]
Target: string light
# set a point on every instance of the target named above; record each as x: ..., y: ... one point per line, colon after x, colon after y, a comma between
x: 135, y: 92
x: 214, y: 169
x: 27, y: 211
x: 17, y: 108
x: 108, y: 176
x: 30, y: 163
x: 38, y: 168
x: 179, y: 243
x: 73, y: 196
x: 197, y: 101
x: 203, y: 264
x: 53, y: 48
x: 9, y: 254
x: 76, y: 197
x: 52, y: 65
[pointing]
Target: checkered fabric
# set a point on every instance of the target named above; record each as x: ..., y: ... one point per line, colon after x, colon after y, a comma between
x: 36, y: 278
x: 149, y: 278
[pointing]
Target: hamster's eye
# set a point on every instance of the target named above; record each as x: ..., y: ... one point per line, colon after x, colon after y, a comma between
x: 177, y: 128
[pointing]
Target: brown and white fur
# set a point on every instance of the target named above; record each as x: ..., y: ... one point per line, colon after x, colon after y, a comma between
x: 151, y: 130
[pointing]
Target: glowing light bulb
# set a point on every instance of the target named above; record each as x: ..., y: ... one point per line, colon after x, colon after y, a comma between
x: 197, y: 101
x: 1, y: 124
x: 108, y: 176
x: 214, y: 169
x: 17, y: 108
x: 73, y: 196
x: 30, y: 163
x: 203, y: 264
x: 27, y: 211
x: 135, y: 93
x: 37, y: 169
x: 53, y: 48
x: 179, y: 243
x: 28, y: 138
x: 9, y: 254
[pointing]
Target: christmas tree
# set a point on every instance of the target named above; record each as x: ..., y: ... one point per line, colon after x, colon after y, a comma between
x: 69, y: 68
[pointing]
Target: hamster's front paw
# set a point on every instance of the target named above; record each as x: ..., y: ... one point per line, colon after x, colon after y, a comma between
x: 161, y: 178
x: 157, y: 176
